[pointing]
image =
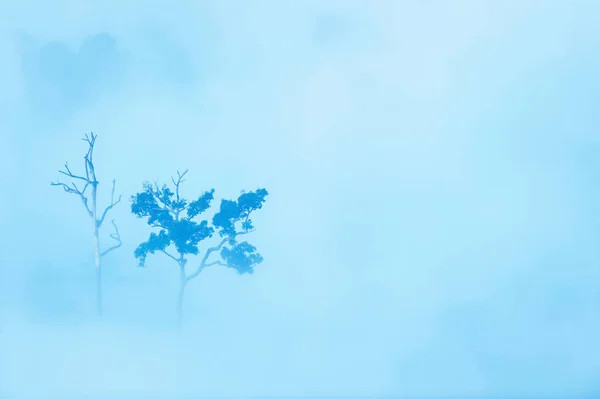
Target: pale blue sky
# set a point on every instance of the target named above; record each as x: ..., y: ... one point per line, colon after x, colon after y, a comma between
x: 432, y: 223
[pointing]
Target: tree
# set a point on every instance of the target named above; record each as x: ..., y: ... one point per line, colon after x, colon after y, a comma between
x: 180, y: 232
x: 86, y: 181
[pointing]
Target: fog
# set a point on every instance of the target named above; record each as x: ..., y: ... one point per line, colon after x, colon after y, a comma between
x: 431, y: 228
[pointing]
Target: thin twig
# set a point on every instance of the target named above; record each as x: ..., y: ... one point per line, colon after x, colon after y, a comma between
x: 112, y: 203
x: 115, y: 236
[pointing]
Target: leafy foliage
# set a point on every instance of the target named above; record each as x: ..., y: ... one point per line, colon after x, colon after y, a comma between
x: 242, y: 257
x: 156, y: 242
x: 201, y: 204
x: 175, y: 219
x: 231, y: 212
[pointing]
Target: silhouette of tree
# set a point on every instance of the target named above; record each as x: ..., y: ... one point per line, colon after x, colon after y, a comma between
x: 180, y: 233
x: 79, y: 186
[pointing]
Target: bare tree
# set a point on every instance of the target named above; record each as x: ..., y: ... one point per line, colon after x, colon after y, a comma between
x: 79, y: 186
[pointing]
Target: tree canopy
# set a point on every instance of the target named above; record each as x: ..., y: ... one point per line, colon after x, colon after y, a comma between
x: 179, y: 224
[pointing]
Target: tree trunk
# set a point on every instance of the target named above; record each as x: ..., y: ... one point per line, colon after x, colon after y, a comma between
x: 97, y: 248
x: 98, y: 273
x: 180, y: 298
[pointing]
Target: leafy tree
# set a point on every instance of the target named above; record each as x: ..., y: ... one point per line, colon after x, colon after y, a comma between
x: 79, y: 186
x: 180, y: 230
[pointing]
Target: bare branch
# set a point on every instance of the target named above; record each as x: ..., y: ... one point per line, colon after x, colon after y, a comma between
x: 216, y: 262
x: 180, y: 179
x: 169, y: 255
x: 89, y: 178
x: 89, y: 161
x: 205, y: 258
x: 176, y: 210
x: 91, y: 140
x: 209, y: 251
x: 76, y: 190
x: 87, y: 167
x: 112, y: 204
x: 115, y: 236
x: 67, y: 172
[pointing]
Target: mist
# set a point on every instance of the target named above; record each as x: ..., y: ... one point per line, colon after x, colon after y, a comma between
x: 431, y: 228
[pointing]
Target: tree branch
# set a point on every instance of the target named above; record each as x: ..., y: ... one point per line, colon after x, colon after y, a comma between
x: 180, y: 179
x: 67, y: 172
x: 76, y: 190
x: 112, y: 204
x: 89, y: 162
x: 115, y: 236
x: 176, y: 210
x: 169, y: 255
x: 209, y: 251
x: 89, y: 179
x: 205, y: 258
x: 216, y: 262
x: 159, y: 200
